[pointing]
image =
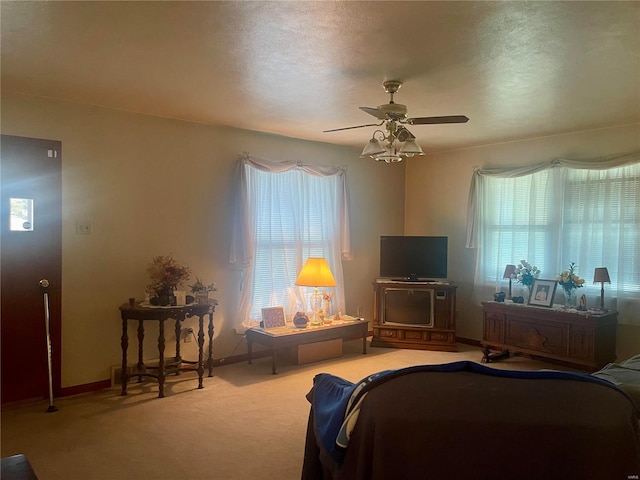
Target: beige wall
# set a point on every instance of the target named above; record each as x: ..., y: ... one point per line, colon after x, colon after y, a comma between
x: 437, y: 188
x: 153, y: 186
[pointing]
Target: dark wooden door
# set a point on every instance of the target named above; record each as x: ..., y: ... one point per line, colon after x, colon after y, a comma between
x: 31, y: 250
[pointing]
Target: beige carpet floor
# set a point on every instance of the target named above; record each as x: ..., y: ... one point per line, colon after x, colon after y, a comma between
x: 244, y: 424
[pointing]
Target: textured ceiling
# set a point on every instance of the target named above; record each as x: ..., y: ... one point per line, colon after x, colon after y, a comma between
x: 516, y: 69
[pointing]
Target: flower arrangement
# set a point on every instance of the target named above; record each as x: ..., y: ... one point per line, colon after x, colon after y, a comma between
x: 198, y: 286
x: 525, y: 273
x: 166, y: 274
x: 568, y: 279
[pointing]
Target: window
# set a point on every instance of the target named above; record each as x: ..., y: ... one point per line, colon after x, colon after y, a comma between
x: 518, y: 223
x: 602, y: 222
x: 552, y: 215
x: 21, y: 214
x: 289, y: 213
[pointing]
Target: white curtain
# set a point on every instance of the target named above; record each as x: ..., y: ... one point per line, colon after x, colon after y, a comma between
x: 285, y: 213
x: 567, y: 210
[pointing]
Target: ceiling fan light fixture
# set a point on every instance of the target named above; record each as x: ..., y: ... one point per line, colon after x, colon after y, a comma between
x: 410, y: 148
x: 389, y: 158
x: 389, y: 155
x: 372, y: 148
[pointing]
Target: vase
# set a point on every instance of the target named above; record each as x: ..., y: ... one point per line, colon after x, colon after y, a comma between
x: 166, y: 297
x: 529, y: 292
x: 569, y: 298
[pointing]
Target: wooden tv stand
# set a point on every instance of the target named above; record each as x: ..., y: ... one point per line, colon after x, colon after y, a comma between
x: 586, y: 340
x: 397, y: 303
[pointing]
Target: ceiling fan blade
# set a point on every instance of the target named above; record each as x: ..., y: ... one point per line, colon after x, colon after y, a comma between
x: 349, y: 128
x: 436, y: 120
x: 375, y: 112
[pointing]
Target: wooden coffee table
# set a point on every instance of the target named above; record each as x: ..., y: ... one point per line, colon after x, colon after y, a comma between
x: 281, y: 337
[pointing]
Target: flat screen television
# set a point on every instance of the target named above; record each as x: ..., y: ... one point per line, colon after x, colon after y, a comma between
x: 413, y: 258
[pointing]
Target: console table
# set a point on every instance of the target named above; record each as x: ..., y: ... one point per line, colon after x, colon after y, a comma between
x: 280, y: 337
x: 141, y: 313
x: 586, y: 339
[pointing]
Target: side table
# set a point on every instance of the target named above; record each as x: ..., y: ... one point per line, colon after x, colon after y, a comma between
x: 141, y: 313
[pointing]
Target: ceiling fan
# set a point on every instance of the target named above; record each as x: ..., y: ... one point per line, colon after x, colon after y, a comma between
x: 393, y: 116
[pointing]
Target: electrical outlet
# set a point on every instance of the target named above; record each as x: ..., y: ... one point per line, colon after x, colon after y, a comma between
x: 187, y: 334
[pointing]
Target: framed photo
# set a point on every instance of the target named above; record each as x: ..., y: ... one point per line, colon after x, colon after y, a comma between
x: 273, y: 317
x: 542, y: 292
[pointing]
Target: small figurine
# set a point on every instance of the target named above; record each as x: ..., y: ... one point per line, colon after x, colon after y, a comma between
x: 326, y: 300
x: 583, y: 303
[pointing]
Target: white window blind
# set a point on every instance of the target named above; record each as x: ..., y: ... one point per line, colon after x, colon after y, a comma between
x: 518, y: 225
x: 601, y: 223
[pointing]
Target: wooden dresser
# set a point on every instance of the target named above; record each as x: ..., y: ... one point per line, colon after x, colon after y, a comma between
x: 586, y: 340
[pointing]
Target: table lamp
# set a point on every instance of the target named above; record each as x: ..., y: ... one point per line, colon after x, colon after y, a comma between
x: 316, y: 273
x: 601, y: 275
x: 508, y: 271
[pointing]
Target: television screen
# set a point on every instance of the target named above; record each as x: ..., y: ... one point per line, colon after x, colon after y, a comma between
x: 413, y: 257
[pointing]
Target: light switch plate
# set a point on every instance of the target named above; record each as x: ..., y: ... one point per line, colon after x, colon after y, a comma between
x: 83, y: 227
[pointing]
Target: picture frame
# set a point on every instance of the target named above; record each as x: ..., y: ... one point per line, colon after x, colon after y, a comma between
x: 542, y: 292
x: 273, y: 317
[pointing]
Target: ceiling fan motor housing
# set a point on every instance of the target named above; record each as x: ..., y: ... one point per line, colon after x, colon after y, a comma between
x: 394, y: 111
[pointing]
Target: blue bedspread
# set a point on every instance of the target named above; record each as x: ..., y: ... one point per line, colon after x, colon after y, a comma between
x: 336, y: 401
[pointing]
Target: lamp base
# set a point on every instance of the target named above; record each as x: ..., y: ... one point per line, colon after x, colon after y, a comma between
x: 315, y: 302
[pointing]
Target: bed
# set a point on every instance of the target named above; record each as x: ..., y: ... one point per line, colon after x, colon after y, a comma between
x: 466, y: 420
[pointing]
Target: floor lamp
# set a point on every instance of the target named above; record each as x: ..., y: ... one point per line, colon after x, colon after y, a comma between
x: 316, y: 273
x: 601, y: 275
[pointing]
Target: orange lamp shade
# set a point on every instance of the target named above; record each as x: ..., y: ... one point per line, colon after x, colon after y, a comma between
x: 316, y: 273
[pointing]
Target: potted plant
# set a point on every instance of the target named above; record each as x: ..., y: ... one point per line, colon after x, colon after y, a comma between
x: 201, y: 291
x: 166, y: 274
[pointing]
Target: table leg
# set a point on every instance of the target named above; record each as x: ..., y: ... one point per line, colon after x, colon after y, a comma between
x: 249, y: 349
x: 364, y: 344
x: 210, y: 357
x: 140, y: 367
x: 274, y: 369
x: 178, y: 358
x: 489, y: 357
x: 161, y: 360
x: 124, y: 343
x: 200, y: 349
